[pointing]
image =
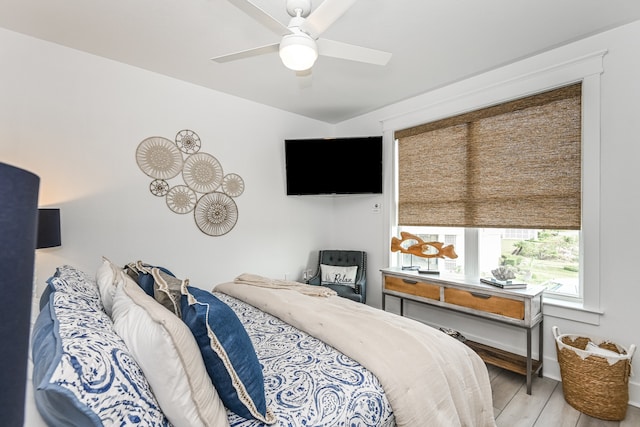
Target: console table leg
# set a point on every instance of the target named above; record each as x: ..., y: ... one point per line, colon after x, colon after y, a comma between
x: 529, y: 363
x: 540, y: 352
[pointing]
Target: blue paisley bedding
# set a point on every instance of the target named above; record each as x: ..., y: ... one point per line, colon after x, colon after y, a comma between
x: 307, y: 382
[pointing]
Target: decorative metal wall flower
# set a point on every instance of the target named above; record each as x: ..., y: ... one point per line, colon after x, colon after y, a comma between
x: 216, y: 213
x: 202, y: 172
x: 188, y: 141
x: 159, y: 187
x: 232, y: 185
x: 208, y: 193
x: 181, y: 199
x: 159, y: 158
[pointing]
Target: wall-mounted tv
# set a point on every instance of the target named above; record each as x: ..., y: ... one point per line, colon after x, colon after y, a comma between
x: 334, y: 165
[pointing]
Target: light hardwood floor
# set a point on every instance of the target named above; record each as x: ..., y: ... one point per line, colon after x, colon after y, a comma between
x: 545, y: 407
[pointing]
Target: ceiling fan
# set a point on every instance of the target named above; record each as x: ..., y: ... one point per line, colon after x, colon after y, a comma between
x: 301, y: 43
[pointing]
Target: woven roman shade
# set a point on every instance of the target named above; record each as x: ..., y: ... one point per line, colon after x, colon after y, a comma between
x: 513, y: 165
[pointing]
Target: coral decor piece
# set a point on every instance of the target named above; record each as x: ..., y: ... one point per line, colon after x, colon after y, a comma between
x: 503, y: 273
x: 208, y: 191
x: 414, y: 245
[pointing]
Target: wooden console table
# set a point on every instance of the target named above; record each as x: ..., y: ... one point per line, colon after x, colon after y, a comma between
x: 518, y: 307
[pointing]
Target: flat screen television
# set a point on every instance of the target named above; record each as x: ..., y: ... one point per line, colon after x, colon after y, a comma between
x: 350, y: 165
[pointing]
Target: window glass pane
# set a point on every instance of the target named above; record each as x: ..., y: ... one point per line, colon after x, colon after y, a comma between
x: 550, y: 258
x: 542, y: 257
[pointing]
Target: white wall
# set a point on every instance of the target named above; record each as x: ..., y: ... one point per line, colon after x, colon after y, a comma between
x: 76, y: 120
x: 619, y: 197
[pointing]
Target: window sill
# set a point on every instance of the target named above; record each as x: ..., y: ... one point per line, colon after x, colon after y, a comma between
x: 571, y: 311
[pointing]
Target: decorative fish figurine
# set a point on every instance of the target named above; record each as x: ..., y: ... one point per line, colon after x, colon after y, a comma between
x: 421, y: 248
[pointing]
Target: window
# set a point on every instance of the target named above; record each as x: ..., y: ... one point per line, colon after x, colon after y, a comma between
x: 511, y: 82
x: 507, y: 177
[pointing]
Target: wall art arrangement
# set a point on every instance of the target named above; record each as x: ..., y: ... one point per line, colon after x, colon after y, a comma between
x: 207, y: 191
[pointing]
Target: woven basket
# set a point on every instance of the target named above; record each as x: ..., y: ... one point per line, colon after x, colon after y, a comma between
x: 593, y: 384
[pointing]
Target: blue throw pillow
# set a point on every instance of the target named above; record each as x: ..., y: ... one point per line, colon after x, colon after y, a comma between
x: 44, y: 298
x: 228, y: 354
x: 141, y: 273
x: 83, y: 374
x: 70, y: 280
x: 54, y: 404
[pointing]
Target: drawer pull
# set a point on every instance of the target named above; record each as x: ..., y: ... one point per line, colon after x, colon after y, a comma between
x: 483, y: 296
x: 410, y: 282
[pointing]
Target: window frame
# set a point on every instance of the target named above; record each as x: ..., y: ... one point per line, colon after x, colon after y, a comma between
x: 522, y: 79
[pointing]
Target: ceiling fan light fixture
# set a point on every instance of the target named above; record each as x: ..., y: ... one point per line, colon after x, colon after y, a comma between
x: 298, y: 51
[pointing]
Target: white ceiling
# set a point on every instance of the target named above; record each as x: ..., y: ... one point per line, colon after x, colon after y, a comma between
x: 433, y: 42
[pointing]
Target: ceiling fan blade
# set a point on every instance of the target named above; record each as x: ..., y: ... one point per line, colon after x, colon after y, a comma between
x: 304, y: 78
x: 352, y: 52
x: 324, y: 15
x: 270, y: 48
x: 261, y: 16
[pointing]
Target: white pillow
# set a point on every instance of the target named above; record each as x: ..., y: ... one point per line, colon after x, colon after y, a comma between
x: 169, y: 356
x: 333, y: 274
x: 108, y: 279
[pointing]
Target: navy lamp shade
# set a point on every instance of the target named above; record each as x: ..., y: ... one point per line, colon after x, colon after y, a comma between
x: 18, y: 225
x: 48, y: 228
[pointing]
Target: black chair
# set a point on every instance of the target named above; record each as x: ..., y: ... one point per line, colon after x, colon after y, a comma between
x: 341, y: 258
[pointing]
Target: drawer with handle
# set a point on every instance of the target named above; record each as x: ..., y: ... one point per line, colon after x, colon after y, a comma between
x: 412, y: 287
x: 484, y: 302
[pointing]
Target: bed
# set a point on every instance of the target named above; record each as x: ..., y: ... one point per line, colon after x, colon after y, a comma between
x: 134, y: 345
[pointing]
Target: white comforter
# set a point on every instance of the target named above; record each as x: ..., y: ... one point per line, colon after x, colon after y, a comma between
x: 429, y: 378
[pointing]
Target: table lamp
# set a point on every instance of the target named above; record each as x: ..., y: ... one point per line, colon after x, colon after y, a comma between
x: 48, y: 228
x: 18, y: 225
